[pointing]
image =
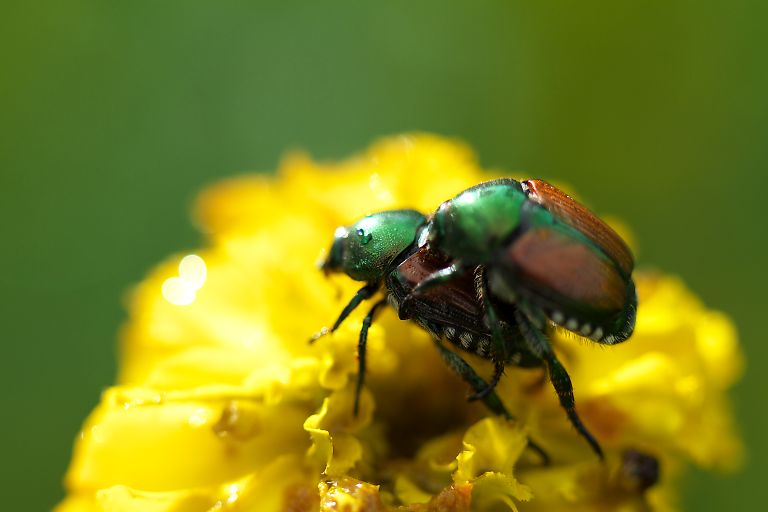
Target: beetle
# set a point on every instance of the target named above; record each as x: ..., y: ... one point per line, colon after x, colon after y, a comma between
x: 543, y: 251
x: 516, y: 256
x: 374, y: 250
x: 547, y: 254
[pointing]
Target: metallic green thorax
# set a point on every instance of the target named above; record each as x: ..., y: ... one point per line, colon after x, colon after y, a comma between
x: 365, y: 249
x: 472, y: 226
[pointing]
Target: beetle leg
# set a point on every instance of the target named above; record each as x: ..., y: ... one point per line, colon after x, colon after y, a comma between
x: 498, y: 371
x: 561, y: 381
x: 470, y: 376
x: 436, y: 278
x: 364, y: 293
x: 491, y: 399
x: 498, y: 347
x: 361, y: 346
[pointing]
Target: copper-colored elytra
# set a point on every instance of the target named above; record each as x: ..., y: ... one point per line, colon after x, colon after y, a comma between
x: 578, y: 216
x: 459, y: 291
x: 421, y: 264
x: 552, y: 264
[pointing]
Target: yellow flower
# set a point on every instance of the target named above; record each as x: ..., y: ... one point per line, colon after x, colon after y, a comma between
x: 221, y: 404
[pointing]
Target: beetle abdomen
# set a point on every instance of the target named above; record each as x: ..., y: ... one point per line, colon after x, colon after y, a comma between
x: 469, y: 341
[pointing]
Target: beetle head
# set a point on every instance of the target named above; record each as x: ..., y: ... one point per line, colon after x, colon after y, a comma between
x: 365, y: 250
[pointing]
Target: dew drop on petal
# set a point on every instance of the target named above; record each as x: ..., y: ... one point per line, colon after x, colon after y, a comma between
x: 178, y: 292
x: 193, y: 270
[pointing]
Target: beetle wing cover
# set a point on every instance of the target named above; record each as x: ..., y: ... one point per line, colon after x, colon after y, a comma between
x: 453, y: 303
x: 561, y: 271
x: 575, y: 214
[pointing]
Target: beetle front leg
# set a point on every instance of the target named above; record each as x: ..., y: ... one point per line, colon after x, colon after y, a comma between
x: 436, y: 278
x: 561, y: 381
x: 364, y: 293
x: 361, y: 346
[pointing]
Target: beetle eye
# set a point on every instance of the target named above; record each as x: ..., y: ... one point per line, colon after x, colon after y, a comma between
x: 336, y: 254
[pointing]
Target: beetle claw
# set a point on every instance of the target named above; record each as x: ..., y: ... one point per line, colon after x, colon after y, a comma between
x: 405, y: 307
x: 480, y: 394
x: 319, y: 334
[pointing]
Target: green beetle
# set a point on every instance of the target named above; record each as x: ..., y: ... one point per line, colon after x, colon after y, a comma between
x: 546, y: 254
x: 543, y: 251
x: 487, y: 271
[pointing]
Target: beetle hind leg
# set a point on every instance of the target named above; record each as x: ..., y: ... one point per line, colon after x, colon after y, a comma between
x: 564, y: 389
x: 561, y: 381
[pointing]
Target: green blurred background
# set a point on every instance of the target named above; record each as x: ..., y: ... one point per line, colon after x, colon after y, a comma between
x: 114, y: 114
